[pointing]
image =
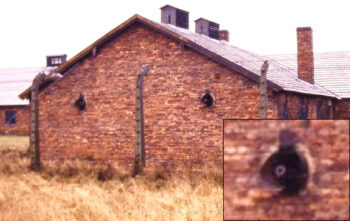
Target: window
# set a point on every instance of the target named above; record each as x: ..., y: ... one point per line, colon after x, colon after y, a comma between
x: 10, y: 117
x: 169, y: 19
x: 56, y: 61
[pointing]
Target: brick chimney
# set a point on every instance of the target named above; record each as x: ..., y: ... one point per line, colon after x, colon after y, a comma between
x: 305, y: 54
x: 224, y: 35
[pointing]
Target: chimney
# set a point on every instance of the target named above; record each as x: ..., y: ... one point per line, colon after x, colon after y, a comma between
x: 224, y: 35
x: 174, y: 16
x: 305, y: 54
x: 55, y: 60
x: 208, y: 28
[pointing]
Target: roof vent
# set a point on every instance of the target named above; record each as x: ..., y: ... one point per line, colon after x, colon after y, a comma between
x: 55, y: 60
x: 174, y: 16
x: 208, y: 28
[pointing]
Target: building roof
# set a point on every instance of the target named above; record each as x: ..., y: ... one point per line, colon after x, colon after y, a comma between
x: 14, y: 81
x: 331, y: 70
x: 166, y: 6
x: 279, y: 77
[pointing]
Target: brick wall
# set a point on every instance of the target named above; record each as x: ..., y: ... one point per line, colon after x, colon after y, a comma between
x: 246, y: 145
x: 22, y: 120
x: 178, y: 129
x: 342, y: 109
x: 298, y: 106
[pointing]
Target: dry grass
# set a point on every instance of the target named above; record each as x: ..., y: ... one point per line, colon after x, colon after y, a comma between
x: 81, y: 191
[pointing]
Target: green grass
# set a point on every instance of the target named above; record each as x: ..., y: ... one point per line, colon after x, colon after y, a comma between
x: 13, y: 142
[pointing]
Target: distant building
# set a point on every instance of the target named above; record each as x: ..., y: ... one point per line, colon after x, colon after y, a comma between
x: 14, y: 112
x: 332, y: 71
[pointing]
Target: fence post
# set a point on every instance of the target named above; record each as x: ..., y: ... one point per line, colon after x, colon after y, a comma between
x: 140, y: 161
x: 34, y: 150
x: 263, y: 91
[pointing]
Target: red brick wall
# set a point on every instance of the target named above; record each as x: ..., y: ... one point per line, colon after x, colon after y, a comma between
x: 177, y: 128
x: 299, y: 106
x: 342, y: 109
x: 22, y: 120
x: 248, y: 143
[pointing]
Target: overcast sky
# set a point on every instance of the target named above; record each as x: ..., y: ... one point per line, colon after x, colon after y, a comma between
x: 32, y: 29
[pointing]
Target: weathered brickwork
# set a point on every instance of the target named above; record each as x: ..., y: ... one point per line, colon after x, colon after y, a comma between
x: 342, y: 109
x: 298, y: 106
x: 22, y: 120
x: 248, y: 143
x: 178, y: 129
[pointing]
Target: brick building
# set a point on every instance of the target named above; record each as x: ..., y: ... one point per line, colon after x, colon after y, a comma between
x: 332, y: 71
x: 184, y: 68
x: 14, y: 112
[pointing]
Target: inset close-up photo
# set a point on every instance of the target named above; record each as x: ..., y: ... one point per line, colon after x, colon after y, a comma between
x: 286, y: 169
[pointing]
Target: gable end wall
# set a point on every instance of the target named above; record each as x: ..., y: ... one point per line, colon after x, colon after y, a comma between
x: 178, y: 129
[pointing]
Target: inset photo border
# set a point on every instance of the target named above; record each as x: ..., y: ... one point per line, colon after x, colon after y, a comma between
x: 286, y: 169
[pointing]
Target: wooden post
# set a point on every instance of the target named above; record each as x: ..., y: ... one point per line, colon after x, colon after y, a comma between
x: 140, y: 161
x: 34, y: 149
x: 263, y: 91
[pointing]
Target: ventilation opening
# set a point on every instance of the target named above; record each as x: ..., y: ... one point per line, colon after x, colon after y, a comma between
x: 207, y: 99
x: 174, y: 16
x: 80, y: 104
x: 214, y: 30
x: 55, y: 60
x: 208, y: 28
x: 286, y: 170
x: 181, y: 19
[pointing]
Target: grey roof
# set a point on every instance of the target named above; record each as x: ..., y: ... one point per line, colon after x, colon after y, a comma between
x: 277, y: 73
x: 331, y: 70
x: 14, y: 81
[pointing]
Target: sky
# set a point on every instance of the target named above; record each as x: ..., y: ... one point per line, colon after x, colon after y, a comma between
x: 32, y: 29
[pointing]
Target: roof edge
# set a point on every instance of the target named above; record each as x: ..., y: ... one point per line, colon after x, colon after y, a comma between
x: 86, y: 51
x: 135, y: 18
x: 13, y: 105
x: 159, y: 28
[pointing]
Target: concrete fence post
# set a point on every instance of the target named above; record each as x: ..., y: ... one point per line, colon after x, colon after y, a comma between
x: 263, y: 91
x: 140, y: 161
x: 34, y: 150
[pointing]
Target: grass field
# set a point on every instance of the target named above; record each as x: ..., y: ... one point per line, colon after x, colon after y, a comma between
x: 81, y: 191
x: 8, y: 142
